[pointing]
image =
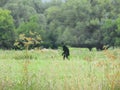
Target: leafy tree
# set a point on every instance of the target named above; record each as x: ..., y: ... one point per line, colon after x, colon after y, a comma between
x: 31, y: 25
x: 108, y: 32
x: 117, y: 37
x: 3, y: 2
x: 7, y: 34
x: 52, y: 33
x: 20, y: 12
x: 81, y: 23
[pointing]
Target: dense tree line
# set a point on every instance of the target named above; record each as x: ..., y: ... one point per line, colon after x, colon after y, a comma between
x: 78, y: 23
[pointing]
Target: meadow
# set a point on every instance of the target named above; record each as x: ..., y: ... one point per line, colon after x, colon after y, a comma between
x: 46, y: 70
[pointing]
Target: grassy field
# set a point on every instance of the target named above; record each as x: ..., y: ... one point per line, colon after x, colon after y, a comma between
x: 46, y: 70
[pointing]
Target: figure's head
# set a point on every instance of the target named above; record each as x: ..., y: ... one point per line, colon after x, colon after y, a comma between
x: 62, y: 43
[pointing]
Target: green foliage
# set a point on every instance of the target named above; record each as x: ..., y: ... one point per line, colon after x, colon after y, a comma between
x: 108, y: 31
x: 74, y: 22
x: 3, y: 2
x: 31, y: 25
x: 21, y: 10
x: 117, y: 39
x: 7, y: 34
x: 33, y: 30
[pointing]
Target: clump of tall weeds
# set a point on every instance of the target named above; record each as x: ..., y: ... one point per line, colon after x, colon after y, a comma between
x: 26, y: 42
x: 111, y: 70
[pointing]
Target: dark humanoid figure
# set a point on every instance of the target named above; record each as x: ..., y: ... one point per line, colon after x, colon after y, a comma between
x: 65, y: 53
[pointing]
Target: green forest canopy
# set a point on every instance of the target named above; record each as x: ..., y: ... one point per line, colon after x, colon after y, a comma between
x: 78, y: 23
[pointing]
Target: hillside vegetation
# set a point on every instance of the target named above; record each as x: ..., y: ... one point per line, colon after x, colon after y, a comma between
x: 78, y: 23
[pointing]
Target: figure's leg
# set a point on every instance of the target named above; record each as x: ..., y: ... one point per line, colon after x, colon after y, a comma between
x: 67, y: 57
x: 64, y: 57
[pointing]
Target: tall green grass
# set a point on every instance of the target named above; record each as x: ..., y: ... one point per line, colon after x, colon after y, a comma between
x: 46, y: 70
